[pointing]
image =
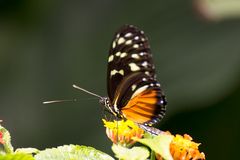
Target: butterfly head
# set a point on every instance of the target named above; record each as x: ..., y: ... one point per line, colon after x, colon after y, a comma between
x: 105, y: 101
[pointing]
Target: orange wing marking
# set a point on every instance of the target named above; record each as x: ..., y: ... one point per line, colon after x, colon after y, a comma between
x: 142, y: 107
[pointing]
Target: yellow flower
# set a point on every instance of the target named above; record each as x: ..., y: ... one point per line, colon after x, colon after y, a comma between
x: 121, y: 132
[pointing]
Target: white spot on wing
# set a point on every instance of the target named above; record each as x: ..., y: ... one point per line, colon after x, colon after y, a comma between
x: 139, y: 90
x: 121, y: 72
x: 110, y: 58
x: 121, y: 40
x: 147, y: 73
x: 128, y: 35
x: 144, y: 64
x: 143, y: 53
x: 113, y: 44
x: 128, y: 42
x: 135, y: 56
x: 133, y: 67
x: 135, y: 46
x: 134, y: 87
x: 124, y: 54
x: 136, y: 38
x: 161, y: 101
x: 113, y: 72
x: 118, y: 53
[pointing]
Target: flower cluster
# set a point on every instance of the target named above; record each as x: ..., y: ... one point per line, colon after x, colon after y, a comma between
x: 121, y: 132
x: 174, y: 147
x: 183, y: 148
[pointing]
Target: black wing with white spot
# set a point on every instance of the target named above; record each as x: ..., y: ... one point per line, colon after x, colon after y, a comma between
x: 133, y: 90
x: 129, y: 52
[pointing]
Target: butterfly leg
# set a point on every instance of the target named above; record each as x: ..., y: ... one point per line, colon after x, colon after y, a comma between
x: 149, y: 129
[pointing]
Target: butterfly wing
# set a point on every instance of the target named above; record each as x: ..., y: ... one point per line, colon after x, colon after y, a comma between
x: 129, y: 49
x: 132, y: 86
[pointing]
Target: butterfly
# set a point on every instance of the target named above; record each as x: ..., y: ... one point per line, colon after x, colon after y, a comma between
x: 133, y: 90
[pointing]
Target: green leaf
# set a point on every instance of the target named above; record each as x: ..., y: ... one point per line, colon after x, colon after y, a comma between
x: 159, y: 144
x: 72, y: 152
x: 18, y: 156
x: 135, y: 153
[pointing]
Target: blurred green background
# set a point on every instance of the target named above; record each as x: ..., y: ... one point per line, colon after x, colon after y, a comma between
x: 46, y: 46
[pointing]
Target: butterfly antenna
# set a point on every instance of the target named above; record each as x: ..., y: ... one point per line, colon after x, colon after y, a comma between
x: 59, y: 101
x: 86, y: 91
